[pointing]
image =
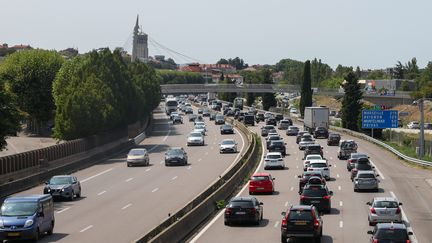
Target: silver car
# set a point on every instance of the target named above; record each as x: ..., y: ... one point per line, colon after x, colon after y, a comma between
x: 228, y: 146
x: 366, y: 180
x: 384, y: 210
x: 138, y: 156
x: 195, y: 138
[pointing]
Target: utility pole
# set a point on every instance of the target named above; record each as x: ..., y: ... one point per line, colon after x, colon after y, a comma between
x: 421, y: 107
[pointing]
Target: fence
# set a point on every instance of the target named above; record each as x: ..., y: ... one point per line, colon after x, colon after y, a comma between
x: 407, y: 140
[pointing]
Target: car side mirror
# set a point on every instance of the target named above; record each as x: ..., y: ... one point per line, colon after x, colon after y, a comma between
x: 261, y: 203
x: 410, y: 233
x: 369, y: 203
x: 329, y: 165
x: 46, y: 182
x: 377, y: 175
x: 370, y: 232
x: 373, y: 167
x: 299, y: 193
x: 400, y: 204
x: 283, y: 214
x: 299, y: 176
x: 273, y: 178
x: 331, y: 193
x: 40, y: 214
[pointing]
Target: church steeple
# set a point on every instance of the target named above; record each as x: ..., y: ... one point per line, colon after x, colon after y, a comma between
x: 139, y: 45
x: 136, y: 29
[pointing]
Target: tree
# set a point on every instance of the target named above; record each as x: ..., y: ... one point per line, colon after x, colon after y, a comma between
x: 222, y: 61
x: 405, y: 86
x: 9, y: 116
x: 342, y: 71
x: 399, y: 71
x: 377, y: 74
x: 424, y: 83
x: 351, y: 103
x: 29, y: 75
x: 306, y: 89
x: 268, y: 99
x: 412, y: 69
x: 358, y: 72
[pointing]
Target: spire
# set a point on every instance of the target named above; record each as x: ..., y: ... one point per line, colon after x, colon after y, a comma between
x: 136, y: 28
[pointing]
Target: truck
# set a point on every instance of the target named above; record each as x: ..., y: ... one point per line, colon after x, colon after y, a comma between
x: 211, y: 96
x: 315, y: 117
x: 170, y: 105
x: 238, y: 103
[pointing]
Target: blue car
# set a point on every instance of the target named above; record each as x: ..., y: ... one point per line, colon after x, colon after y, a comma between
x: 26, y: 217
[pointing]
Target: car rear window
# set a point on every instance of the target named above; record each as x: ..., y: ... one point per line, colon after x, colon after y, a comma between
x: 318, y: 165
x: 392, y: 234
x: 174, y: 152
x: 260, y: 178
x: 273, y: 156
x: 313, y: 147
x: 314, y: 192
x: 313, y: 157
x: 277, y: 143
x: 371, y: 176
x: 385, y: 204
x: 242, y: 204
x: 363, y: 167
x: 300, y: 215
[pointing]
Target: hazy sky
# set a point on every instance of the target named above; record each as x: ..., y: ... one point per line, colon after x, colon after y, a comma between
x: 368, y: 33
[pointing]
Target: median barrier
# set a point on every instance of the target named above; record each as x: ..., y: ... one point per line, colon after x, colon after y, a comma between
x: 178, y: 226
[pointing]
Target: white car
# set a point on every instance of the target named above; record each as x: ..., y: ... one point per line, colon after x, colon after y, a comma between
x: 228, y: 146
x: 274, y: 160
x: 320, y: 165
x: 200, y: 128
x: 138, y: 156
x: 414, y: 125
x: 309, y: 158
x: 294, y: 110
x: 195, y: 138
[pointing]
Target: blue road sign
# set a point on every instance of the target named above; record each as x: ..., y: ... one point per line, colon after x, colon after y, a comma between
x: 379, y: 118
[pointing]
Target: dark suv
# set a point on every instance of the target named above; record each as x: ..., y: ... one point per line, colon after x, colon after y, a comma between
x: 313, y: 149
x: 271, y: 121
x: 301, y: 221
x: 317, y: 195
x: 219, y: 119
x: 300, y: 135
x: 390, y: 232
x: 304, y: 179
x: 333, y: 139
x: 321, y: 132
x: 259, y: 117
x: 243, y: 209
x: 277, y: 146
x: 249, y: 120
x: 177, y: 156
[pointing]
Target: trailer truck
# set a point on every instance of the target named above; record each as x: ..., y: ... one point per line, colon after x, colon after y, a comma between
x: 315, y: 117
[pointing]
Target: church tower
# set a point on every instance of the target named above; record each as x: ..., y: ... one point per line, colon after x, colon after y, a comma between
x: 140, y: 44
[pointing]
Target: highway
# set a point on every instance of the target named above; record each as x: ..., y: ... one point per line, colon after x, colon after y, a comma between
x: 348, y: 219
x: 120, y: 204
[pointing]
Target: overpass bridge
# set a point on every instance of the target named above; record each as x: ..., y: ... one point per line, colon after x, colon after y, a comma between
x: 398, y: 98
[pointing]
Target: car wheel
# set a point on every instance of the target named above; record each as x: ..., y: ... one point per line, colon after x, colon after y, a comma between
x: 78, y: 195
x: 51, y: 230
x: 128, y: 165
x: 226, y: 223
x: 318, y: 239
x: 355, y: 190
x: 284, y: 239
x: 36, y: 236
x: 72, y: 196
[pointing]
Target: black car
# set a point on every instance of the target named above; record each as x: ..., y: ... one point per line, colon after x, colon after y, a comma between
x: 333, y: 139
x: 219, y: 119
x: 277, y: 146
x: 301, y: 221
x: 226, y: 129
x: 317, y: 195
x: 243, y: 209
x: 63, y: 186
x: 321, y: 132
x: 249, y: 120
x: 279, y: 117
x: 390, y: 232
x: 176, y: 156
x: 272, y: 138
x: 313, y: 149
x: 271, y: 121
x: 206, y: 112
x: 300, y: 135
x: 259, y: 117
x: 177, y: 119
x: 200, y: 110
x: 304, y: 179
x: 212, y: 116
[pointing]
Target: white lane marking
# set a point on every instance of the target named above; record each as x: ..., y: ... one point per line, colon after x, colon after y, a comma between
x: 127, y: 180
x: 161, y: 162
x: 238, y: 194
x: 331, y: 158
x: 340, y: 203
x: 63, y: 210
x: 98, y: 174
x: 334, y: 165
x: 297, y: 167
x: 379, y: 172
x: 123, y: 208
x: 405, y: 219
x: 148, y: 169
x: 340, y: 224
x: 211, y: 147
x: 155, y: 190
x: 339, y: 188
x: 175, y: 177
x: 276, y: 224
x: 292, y: 188
x: 86, y: 228
x: 199, y: 159
x: 100, y: 193
x: 337, y: 175
x: 286, y: 204
x: 189, y: 167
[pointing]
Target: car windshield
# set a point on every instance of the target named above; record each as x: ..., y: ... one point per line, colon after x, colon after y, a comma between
x: 293, y: 128
x: 366, y: 176
x: 60, y: 180
x: 313, y: 147
x: 277, y: 143
x: 260, y: 178
x: 137, y: 152
x: 175, y: 152
x: 392, y: 234
x: 228, y: 142
x: 195, y: 134
x: 199, y: 126
x: 300, y: 215
x: 219, y: 117
x: 313, y: 157
x: 307, y: 139
x: 314, y: 192
x: 226, y: 127
x: 240, y: 204
x: 274, y: 138
x: 385, y: 204
x: 14, y: 209
x: 284, y: 122
x: 318, y: 165
x: 363, y: 167
x: 308, y: 174
x: 356, y: 156
x: 273, y: 156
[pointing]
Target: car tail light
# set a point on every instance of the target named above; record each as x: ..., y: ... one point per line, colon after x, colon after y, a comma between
x: 375, y: 241
x: 303, y: 197
x: 228, y: 211
x: 408, y: 241
x: 354, y: 170
x: 284, y: 222
x: 252, y: 210
x: 316, y: 223
x: 327, y: 197
x: 373, y: 210
x: 310, y: 169
x: 398, y: 210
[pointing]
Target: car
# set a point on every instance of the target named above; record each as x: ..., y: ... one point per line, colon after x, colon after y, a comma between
x: 301, y: 221
x: 414, y: 125
x: 261, y: 183
x: 200, y: 110
x: 200, y: 128
x: 63, y: 186
x: 361, y: 165
x: 26, y: 217
x: 230, y: 112
x: 259, y: 117
x: 321, y: 132
x: 192, y: 117
x: 188, y: 110
x: 313, y: 149
x: 353, y: 159
x: 277, y: 146
x: 304, y: 178
x: 249, y: 120
x: 274, y: 160
x: 176, y: 156
x: 333, y: 139
x: 300, y: 135
x: 272, y: 138
x: 243, y: 209
x: 284, y: 124
x: 138, y: 156
x: 320, y: 165
x: 305, y: 141
x: 228, y: 146
x: 226, y: 129
x: 279, y: 117
x: 177, y: 119
x: 294, y: 110
x: 265, y: 130
x: 332, y: 113
x: 390, y: 232
x: 346, y: 147
x: 195, y: 138
x: 271, y: 121
x: 240, y: 116
x: 198, y: 119
x: 212, y: 116
x: 174, y: 113
x: 292, y: 131
x: 206, y: 112
x: 384, y: 210
x: 267, y: 115
x: 428, y: 126
x: 366, y: 180
x: 310, y: 158
x: 219, y: 119
x: 317, y: 195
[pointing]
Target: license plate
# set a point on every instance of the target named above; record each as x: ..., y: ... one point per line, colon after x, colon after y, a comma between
x: 300, y: 223
x: 315, y: 201
x: 240, y: 212
x: 14, y: 234
x: 260, y: 188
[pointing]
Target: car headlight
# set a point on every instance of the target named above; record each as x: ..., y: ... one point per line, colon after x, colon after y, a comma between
x: 28, y: 223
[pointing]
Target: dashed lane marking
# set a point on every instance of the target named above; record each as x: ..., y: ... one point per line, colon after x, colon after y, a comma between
x: 86, y: 228
x: 340, y: 203
x: 98, y: 174
x: 337, y: 175
x: 292, y: 188
x: 147, y: 170
x: 155, y: 190
x: 63, y: 210
x: 286, y: 204
x: 127, y: 180
x: 100, y: 193
x: 340, y: 224
x: 276, y: 224
x: 339, y: 188
x: 175, y: 177
x: 123, y: 208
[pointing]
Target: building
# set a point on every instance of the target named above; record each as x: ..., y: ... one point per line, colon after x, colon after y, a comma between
x: 375, y: 86
x: 140, y: 44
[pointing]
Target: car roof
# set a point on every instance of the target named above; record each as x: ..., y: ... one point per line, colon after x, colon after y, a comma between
x: 57, y: 176
x: 391, y: 225
x: 241, y: 199
x: 139, y: 149
x: 175, y: 148
x: 296, y: 207
x: 261, y: 174
x: 365, y: 172
x: 318, y: 161
x: 274, y: 153
x: 392, y: 199
x: 24, y: 198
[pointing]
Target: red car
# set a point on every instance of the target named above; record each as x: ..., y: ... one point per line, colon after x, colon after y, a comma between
x: 261, y: 183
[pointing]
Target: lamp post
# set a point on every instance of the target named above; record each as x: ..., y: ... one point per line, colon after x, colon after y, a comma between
x: 420, y: 103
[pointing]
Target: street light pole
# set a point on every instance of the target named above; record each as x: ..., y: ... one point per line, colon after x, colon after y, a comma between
x: 421, y: 107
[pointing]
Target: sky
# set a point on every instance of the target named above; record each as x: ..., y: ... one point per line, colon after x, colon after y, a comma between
x: 371, y: 34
